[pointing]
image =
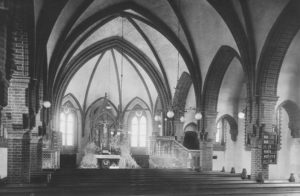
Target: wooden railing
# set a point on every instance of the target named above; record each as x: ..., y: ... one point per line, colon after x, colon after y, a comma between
x: 167, y: 147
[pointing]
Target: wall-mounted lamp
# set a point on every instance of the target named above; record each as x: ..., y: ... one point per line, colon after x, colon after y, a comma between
x: 182, y: 119
x: 198, y: 116
x: 47, y: 104
x: 241, y: 115
x: 170, y: 114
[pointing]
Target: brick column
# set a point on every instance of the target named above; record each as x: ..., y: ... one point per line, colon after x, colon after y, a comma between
x: 206, y: 145
x: 17, y: 108
x: 206, y: 154
x: 265, y: 117
x: 36, y: 145
x: 178, y: 129
x: 18, y: 156
x: 3, y: 55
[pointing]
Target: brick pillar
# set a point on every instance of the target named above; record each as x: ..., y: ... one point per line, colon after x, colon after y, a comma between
x: 18, y: 156
x: 56, y: 140
x: 178, y: 129
x: 17, y: 100
x: 206, y: 154
x: 36, y: 145
x: 206, y: 144
x: 3, y: 55
x: 265, y: 117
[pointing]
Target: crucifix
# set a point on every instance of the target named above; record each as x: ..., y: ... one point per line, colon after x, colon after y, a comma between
x: 103, y: 138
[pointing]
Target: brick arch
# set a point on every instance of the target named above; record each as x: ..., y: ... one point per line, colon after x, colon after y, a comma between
x: 293, y: 112
x: 232, y: 124
x: 191, y: 124
x: 182, y: 89
x: 246, y: 48
x: 190, y: 140
x: 277, y: 43
x: 214, y: 77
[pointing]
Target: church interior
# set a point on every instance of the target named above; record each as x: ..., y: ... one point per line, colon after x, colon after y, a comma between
x: 149, y: 97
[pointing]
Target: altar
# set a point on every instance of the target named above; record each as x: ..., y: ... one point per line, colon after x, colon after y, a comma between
x: 107, y: 161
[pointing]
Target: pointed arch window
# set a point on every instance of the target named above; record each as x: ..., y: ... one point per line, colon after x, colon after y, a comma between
x: 138, y: 131
x: 221, y: 130
x: 220, y: 137
x: 67, y: 128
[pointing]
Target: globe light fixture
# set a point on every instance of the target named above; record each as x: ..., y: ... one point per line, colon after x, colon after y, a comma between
x: 241, y: 115
x: 182, y: 119
x: 198, y: 116
x: 170, y: 114
x: 46, y: 104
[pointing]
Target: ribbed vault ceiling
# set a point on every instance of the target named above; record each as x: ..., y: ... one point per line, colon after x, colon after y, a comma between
x: 158, y: 29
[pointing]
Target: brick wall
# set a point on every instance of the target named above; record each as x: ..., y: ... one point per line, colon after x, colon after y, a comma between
x: 35, y: 158
x: 18, y: 156
x: 3, y: 54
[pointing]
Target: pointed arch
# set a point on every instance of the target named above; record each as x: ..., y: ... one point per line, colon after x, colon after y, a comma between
x: 138, y: 124
x: 190, y: 140
x: 73, y: 100
x: 98, y: 104
x: 214, y: 77
x: 293, y: 112
x: 137, y: 101
x: 228, y: 13
x: 182, y: 90
x: 70, y: 123
x: 233, y: 126
x: 274, y: 50
x: 192, y: 125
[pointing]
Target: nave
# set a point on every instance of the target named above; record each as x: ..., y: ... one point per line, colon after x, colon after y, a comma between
x: 169, y: 92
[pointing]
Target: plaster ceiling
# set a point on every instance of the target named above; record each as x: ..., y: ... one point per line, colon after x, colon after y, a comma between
x: 264, y: 14
x: 231, y: 88
x: 115, y: 76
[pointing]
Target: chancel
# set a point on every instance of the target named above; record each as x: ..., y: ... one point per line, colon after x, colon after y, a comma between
x: 149, y: 97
